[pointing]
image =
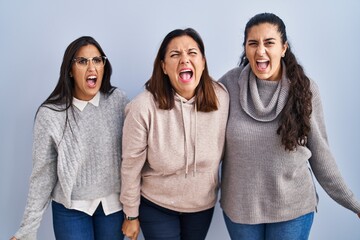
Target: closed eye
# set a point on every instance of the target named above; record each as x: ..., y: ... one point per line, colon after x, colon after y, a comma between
x: 174, y: 53
x: 270, y: 43
x: 252, y: 43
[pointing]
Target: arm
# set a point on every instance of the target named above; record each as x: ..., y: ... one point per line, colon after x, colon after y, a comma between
x: 134, y: 150
x: 43, y: 177
x: 322, y: 161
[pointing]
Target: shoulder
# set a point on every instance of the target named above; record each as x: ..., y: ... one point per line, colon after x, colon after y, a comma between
x: 314, y: 87
x: 47, y: 119
x: 219, y: 87
x: 220, y: 90
x: 316, y: 101
x: 142, y: 98
x: 49, y: 112
x: 44, y: 110
x: 231, y: 76
x: 116, y: 99
x: 142, y: 102
x: 117, y: 95
x: 316, y: 98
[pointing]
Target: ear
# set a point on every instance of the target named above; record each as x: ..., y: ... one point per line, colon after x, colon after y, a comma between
x: 163, y: 67
x: 285, y: 47
x: 204, y: 62
x: 70, y: 74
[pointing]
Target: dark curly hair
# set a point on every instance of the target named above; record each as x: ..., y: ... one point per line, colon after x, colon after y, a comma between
x: 294, y: 124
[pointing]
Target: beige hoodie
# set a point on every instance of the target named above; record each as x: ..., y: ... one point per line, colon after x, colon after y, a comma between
x: 171, y: 157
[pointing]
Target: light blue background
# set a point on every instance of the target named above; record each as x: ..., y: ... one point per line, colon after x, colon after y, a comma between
x: 324, y: 35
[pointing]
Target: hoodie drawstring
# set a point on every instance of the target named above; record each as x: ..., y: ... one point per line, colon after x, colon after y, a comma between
x: 195, y: 140
x: 186, y: 141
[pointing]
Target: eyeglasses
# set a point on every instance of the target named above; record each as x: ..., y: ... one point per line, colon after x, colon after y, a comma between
x: 82, y: 62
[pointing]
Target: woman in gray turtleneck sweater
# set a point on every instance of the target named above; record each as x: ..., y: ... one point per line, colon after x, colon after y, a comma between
x: 275, y: 139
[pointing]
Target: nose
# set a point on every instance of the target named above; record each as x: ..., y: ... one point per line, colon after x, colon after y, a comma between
x: 184, y: 58
x: 91, y: 65
x: 260, y: 50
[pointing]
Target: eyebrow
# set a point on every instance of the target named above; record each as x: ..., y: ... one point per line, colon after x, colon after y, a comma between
x: 174, y: 50
x: 87, y: 57
x: 190, y: 49
x: 270, y: 39
x: 267, y: 39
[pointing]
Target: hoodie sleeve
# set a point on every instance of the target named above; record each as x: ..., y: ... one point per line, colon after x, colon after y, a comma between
x: 134, y: 153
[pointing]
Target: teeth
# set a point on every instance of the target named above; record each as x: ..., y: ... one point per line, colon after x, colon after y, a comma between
x: 92, y: 77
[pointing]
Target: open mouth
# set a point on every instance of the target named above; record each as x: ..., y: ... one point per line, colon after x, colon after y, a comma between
x: 262, y: 65
x: 91, y: 81
x: 186, y: 75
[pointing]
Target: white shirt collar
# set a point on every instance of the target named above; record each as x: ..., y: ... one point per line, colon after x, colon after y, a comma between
x: 80, y: 104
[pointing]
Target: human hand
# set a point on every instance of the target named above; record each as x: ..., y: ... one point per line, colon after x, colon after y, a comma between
x: 131, y: 228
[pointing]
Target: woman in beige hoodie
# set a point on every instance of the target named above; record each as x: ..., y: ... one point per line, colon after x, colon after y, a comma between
x: 173, y: 140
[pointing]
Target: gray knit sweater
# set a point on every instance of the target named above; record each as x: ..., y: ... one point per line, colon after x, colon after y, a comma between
x: 80, y: 163
x: 261, y: 182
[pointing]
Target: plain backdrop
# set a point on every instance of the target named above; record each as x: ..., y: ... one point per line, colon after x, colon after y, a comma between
x: 324, y: 35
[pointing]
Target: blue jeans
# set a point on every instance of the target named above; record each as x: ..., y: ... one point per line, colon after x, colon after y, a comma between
x: 295, y: 229
x: 160, y: 223
x: 70, y: 224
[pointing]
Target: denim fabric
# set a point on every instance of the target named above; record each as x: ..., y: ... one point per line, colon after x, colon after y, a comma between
x: 71, y: 224
x: 295, y: 229
x: 160, y: 223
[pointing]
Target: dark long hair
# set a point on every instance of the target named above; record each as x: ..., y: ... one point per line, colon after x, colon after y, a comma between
x: 294, y: 125
x: 159, y: 83
x: 61, y: 98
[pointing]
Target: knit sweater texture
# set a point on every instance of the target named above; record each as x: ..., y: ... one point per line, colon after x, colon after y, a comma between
x: 80, y: 163
x: 171, y: 157
x: 261, y: 181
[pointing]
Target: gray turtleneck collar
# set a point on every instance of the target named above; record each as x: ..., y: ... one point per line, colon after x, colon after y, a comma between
x: 256, y: 103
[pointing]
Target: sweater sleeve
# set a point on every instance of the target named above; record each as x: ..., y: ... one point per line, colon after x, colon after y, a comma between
x: 43, y: 177
x: 134, y: 152
x: 322, y: 161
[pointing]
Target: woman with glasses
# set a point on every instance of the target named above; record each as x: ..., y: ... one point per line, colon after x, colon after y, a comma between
x: 76, y: 150
x: 173, y: 140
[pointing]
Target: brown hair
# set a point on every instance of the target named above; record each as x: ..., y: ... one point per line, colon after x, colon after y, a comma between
x: 159, y: 83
